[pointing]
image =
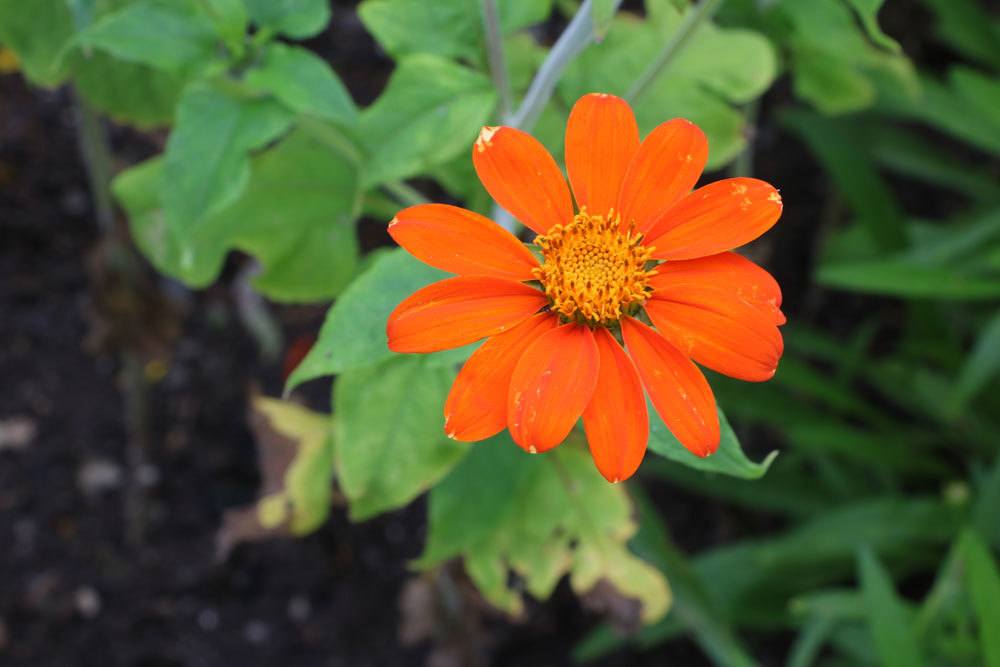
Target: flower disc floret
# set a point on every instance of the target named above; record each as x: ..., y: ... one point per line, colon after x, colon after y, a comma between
x: 593, y: 271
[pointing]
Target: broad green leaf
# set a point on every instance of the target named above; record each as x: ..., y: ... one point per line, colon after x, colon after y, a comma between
x: 296, y: 217
x: 353, y: 334
x: 230, y: 19
x: 729, y: 459
x: 987, y: 500
x: 182, y: 36
x: 983, y: 581
x: 602, y: 12
x: 430, y: 112
x: 718, y: 67
x: 38, y: 36
x: 206, y: 162
x: 888, y: 617
x: 450, y: 28
x: 390, y: 444
x: 543, y: 517
x: 304, y: 82
x: 127, y: 92
x: 297, y: 19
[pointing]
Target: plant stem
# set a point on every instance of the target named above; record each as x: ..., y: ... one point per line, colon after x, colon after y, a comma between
x: 574, y: 39
x: 94, y: 147
x: 255, y: 315
x: 406, y: 195
x: 703, y: 10
x: 495, y: 54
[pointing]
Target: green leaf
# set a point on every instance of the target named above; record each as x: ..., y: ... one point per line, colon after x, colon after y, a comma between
x: 206, y: 165
x: 296, y: 218
x: 542, y: 517
x: 38, y: 36
x: 182, y: 36
x: 449, y: 28
x: 353, y: 334
x: 693, y: 609
x: 983, y: 581
x: 888, y: 617
x: 845, y: 158
x: 431, y: 111
x: 304, y: 82
x: 729, y: 459
x: 127, y: 92
x: 297, y: 19
x: 230, y: 19
x: 908, y: 279
x: 982, y: 364
x: 867, y: 12
x: 602, y: 13
x: 391, y: 445
x: 718, y: 68
x: 835, y: 65
x: 966, y: 27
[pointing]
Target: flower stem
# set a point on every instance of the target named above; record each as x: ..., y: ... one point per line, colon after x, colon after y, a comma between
x: 406, y: 195
x: 574, y: 39
x: 703, y: 10
x: 495, y: 54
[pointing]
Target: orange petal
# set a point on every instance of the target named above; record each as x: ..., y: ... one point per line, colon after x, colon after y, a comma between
x: 720, y: 332
x: 727, y: 271
x: 664, y: 169
x: 459, y: 241
x: 601, y: 138
x: 616, y: 420
x: 457, y: 311
x: 477, y: 404
x: 679, y: 391
x: 522, y: 177
x: 551, y: 385
x: 718, y: 217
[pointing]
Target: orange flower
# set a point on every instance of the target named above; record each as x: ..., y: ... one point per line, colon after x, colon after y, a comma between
x: 570, y: 335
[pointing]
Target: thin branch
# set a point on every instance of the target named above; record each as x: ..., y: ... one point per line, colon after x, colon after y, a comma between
x: 495, y: 54
x: 407, y: 195
x: 575, y: 38
x: 703, y: 10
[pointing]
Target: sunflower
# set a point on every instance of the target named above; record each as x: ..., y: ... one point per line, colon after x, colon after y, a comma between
x: 622, y: 296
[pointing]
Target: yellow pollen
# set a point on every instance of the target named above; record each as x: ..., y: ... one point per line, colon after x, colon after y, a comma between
x: 593, y: 271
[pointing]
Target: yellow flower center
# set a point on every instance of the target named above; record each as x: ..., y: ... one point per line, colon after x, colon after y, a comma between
x: 592, y: 271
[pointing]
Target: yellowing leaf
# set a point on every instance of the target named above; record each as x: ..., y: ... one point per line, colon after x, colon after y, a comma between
x: 295, y: 450
x: 542, y: 517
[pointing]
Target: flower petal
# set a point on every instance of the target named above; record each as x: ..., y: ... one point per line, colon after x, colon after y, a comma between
x: 719, y: 331
x: 601, y: 139
x: 551, y: 385
x: 522, y: 177
x: 477, y: 404
x: 664, y: 169
x: 715, y: 218
x: 616, y: 420
x: 459, y: 241
x: 457, y: 311
x: 727, y: 271
x: 676, y: 387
